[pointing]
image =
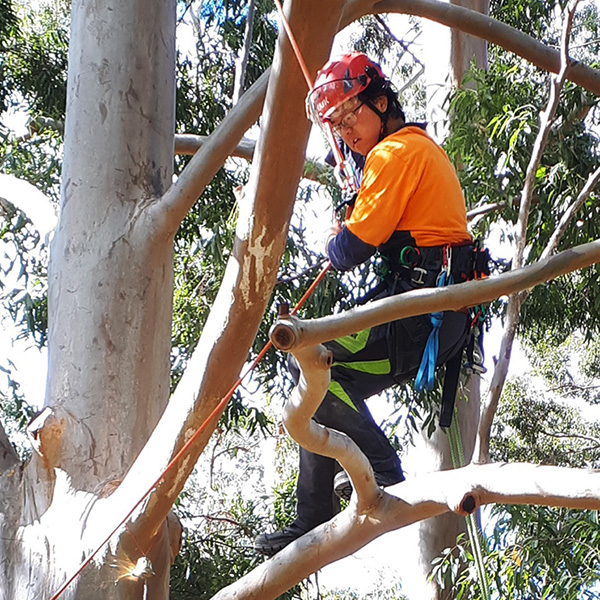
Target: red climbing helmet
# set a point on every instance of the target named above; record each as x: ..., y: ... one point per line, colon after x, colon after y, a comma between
x: 339, y: 81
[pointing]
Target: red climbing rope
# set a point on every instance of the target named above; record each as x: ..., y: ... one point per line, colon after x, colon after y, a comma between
x: 215, y: 413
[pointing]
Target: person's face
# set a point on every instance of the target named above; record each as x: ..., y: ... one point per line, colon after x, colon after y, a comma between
x: 360, y: 127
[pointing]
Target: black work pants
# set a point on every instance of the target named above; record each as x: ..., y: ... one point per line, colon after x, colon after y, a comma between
x: 364, y: 365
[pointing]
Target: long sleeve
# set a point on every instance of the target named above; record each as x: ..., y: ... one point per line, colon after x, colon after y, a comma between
x: 346, y: 250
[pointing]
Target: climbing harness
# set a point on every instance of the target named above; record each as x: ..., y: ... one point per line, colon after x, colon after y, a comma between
x: 410, y: 258
x: 474, y: 360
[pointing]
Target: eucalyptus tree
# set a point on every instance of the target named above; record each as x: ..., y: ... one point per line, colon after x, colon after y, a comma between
x: 113, y: 446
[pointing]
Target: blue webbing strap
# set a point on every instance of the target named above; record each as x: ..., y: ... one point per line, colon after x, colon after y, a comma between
x: 426, y: 374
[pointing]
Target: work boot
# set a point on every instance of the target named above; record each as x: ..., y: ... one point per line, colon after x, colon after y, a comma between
x: 342, y: 486
x: 271, y: 543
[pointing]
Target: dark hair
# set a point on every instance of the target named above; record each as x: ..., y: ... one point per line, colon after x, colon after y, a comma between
x: 378, y: 87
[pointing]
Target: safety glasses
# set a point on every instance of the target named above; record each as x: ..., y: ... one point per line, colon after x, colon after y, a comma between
x: 348, y: 120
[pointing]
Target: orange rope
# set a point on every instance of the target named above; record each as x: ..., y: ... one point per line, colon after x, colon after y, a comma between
x: 216, y: 411
x: 295, y: 47
x: 339, y: 157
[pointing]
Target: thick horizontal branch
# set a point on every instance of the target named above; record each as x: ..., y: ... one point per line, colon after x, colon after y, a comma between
x: 189, y: 144
x: 289, y: 333
x: 461, y: 490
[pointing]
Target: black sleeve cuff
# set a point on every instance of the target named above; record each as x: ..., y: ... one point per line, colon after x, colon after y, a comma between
x: 346, y: 250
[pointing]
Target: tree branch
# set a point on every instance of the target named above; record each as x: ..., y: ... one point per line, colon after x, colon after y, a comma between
x: 181, y: 196
x: 460, y: 490
x: 572, y: 436
x: 570, y: 213
x: 482, y: 26
x: 189, y: 143
x: 242, y: 60
x: 290, y: 333
x: 201, y: 395
x: 315, y: 363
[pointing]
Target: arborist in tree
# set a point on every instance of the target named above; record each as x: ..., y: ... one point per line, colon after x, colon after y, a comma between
x: 410, y: 213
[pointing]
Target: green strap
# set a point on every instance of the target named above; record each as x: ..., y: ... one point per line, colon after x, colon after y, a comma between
x: 373, y: 367
x: 338, y: 391
x: 458, y: 460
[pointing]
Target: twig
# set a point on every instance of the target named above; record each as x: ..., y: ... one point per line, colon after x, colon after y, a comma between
x: 576, y: 436
x: 570, y: 213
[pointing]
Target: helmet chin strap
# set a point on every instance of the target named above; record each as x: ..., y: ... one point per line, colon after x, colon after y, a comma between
x: 383, y: 116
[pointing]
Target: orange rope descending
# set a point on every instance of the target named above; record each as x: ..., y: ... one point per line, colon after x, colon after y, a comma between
x: 214, y: 414
x: 295, y: 47
x: 337, y: 153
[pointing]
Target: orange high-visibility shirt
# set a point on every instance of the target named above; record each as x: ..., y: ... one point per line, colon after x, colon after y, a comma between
x: 409, y: 184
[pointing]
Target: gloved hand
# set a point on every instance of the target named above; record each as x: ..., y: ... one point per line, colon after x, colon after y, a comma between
x: 335, y: 228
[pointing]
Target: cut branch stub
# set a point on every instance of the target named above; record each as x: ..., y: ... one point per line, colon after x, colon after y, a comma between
x: 468, y: 505
x: 284, y: 333
x: 45, y: 433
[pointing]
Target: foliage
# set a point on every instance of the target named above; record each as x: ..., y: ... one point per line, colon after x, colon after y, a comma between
x: 8, y: 28
x: 222, y: 512
x: 393, y: 591
x: 16, y: 412
x: 493, y: 124
x: 532, y: 427
x: 494, y: 118
x: 37, y: 60
x: 540, y: 552
x: 216, y: 553
x: 542, y: 420
x: 534, y: 553
x: 34, y: 66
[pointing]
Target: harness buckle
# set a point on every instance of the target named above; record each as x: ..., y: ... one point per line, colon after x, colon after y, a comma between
x: 419, y: 275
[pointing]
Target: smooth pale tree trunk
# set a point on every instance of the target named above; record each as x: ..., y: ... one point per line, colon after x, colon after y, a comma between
x: 110, y: 283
